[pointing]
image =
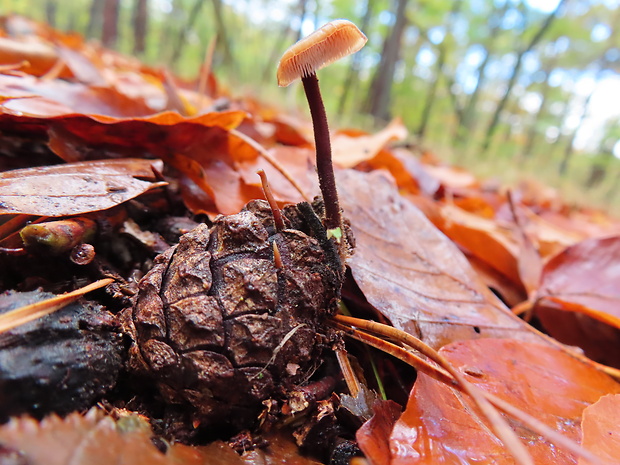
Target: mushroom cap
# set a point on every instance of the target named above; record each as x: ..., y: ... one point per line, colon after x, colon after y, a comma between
x: 331, y: 42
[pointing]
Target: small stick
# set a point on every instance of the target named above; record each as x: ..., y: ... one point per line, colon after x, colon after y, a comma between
x: 277, y: 258
x: 347, y: 371
x: 272, y: 161
x: 451, y: 377
x: 277, y: 214
x: 499, y: 426
x: 22, y: 315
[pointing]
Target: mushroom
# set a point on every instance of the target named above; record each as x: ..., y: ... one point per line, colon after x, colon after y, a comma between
x: 331, y: 42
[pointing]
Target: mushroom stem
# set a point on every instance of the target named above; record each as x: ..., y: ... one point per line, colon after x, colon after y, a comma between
x: 327, y: 180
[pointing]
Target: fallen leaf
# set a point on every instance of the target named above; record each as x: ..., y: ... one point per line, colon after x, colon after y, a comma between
x: 412, y: 273
x: 40, y: 55
x: 91, y: 439
x: 74, y: 188
x: 578, y: 299
x: 440, y: 425
x: 482, y: 237
x: 373, y: 436
x: 297, y: 161
x: 600, y: 430
x: 348, y: 151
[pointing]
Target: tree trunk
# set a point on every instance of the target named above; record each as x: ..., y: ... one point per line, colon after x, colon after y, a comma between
x: 466, y: 119
x: 140, y: 25
x: 515, y: 72
x: 439, y: 71
x: 303, y: 9
x: 182, y: 36
x: 50, y: 12
x: 95, y: 19
x: 352, y: 79
x: 533, y: 130
x: 222, y: 35
x: 569, y: 150
x: 109, y: 33
x: 168, y: 29
x: 378, y: 103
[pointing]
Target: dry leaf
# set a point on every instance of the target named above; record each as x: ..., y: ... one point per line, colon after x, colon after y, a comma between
x: 412, y: 273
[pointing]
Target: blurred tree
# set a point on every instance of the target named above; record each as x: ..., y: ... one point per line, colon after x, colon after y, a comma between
x: 535, y: 123
x: 467, y: 117
x: 95, y: 19
x: 184, y: 30
x: 352, y: 79
x: 603, y: 63
x: 442, y: 48
x: 140, y: 25
x: 109, y: 31
x: 303, y: 8
x: 515, y: 72
x: 286, y: 31
x: 378, y: 101
x: 50, y: 12
x: 222, y: 35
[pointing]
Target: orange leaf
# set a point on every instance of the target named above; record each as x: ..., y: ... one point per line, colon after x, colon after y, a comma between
x: 348, y: 151
x: 579, y: 296
x: 482, y: 237
x: 374, y: 435
x: 600, y: 429
x: 439, y: 424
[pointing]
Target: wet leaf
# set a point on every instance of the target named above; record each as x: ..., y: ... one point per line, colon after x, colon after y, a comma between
x: 440, y: 426
x: 412, y: 273
x: 373, y: 437
x: 578, y: 300
x: 74, y: 188
x: 600, y: 429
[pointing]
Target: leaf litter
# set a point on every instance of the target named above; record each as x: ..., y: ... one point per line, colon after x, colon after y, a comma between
x: 92, y: 116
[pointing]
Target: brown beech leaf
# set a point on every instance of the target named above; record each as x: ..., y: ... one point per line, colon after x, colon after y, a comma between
x: 439, y: 424
x: 412, y: 273
x: 373, y: 436
x: 350, y: 150
x: 405, y: 168
x: 74, y: 188
x: 578, y: 300
x: 482, y: 237
x: 39, y: 55
x: 296, y: 160
x: 91, y: 439
x: 600, y: 429
x: 97, y: 439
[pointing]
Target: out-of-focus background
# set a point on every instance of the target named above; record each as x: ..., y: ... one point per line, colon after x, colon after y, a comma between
x: 507, y: 88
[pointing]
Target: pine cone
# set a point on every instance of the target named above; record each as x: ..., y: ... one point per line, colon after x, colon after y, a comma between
x: 222, y: 325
